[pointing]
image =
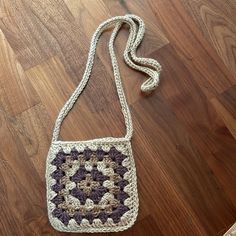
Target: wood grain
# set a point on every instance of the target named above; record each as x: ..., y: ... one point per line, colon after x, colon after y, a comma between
x: 225, y: 106
x: 216, y: 19
x: 38, y: 30
x: 16, y: 94
x: 174, y: 142
x: 184, y: 142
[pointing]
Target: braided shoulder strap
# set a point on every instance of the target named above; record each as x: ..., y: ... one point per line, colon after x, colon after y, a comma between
x: 146, y: 65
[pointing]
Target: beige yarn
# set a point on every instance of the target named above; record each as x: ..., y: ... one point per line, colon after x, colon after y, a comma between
x: 146, y: 65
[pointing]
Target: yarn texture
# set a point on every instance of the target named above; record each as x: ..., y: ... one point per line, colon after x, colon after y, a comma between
x: 92, y: 185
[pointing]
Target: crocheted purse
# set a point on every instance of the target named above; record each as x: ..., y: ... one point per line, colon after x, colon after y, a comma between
x: 91, y: 185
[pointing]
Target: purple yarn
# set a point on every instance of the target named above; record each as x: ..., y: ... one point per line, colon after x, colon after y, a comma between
x: 74, y: 153
x: 98, y: 176
x: 103, y: 216
x: 57, y: 212
x: 95, y: 197
x: 58, y: 174
x: 61, y: 154
x: 61, y: 215
x: 115, y: 216
x: 87, y: 153
x: 96, y: 193
x: 116, y: 156
x: 118, y: 212
x: 121, y: 170
x: 100, y: 154
x: 101, y: 178
x: 57, y: 187
x: 60, y: 159
x: 113, y: 152
x: 102, y: 190
x: 57, y: 162
x: 78, y: 217
x: 121, y: 196
x: 119, y: 158
x: 122, y: 209
x: 58, y: 199
x: 94, y: 173
x: 79, y: 175
x: 79, y: 194
x: 89, y: 216
x: 122, y: 183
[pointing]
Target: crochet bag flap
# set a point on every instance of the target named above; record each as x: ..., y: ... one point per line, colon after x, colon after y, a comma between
x: 91, y: 185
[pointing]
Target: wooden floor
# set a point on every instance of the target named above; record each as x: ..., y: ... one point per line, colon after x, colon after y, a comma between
x: 185, y: 132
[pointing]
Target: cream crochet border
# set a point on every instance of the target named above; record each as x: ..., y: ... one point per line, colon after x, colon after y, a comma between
x: 128, y: 219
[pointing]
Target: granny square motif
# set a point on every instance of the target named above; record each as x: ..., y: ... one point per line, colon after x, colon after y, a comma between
x: 91, y: 186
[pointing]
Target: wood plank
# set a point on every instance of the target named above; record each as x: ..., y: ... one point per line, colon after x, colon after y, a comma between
x: 16, y: 93
x: 192, y: 48
x: 33, y: 127
x: 24, y: 196
x: 200, y: 118
x: 37, y: 30
x: 154, y: 34
x: 147, y: 226
x: 163, y: 200
x: 97, y: 112
x: 154, y: 39
x: 225, y: 105
x: 86, y: 14
x: 169, y: 149
x: 216, y: 19
x: 27, y: 35
x: 184, y: 133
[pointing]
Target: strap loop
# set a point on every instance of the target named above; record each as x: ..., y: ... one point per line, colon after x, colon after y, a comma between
x: 146, y: 65
x: 151, y: 83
